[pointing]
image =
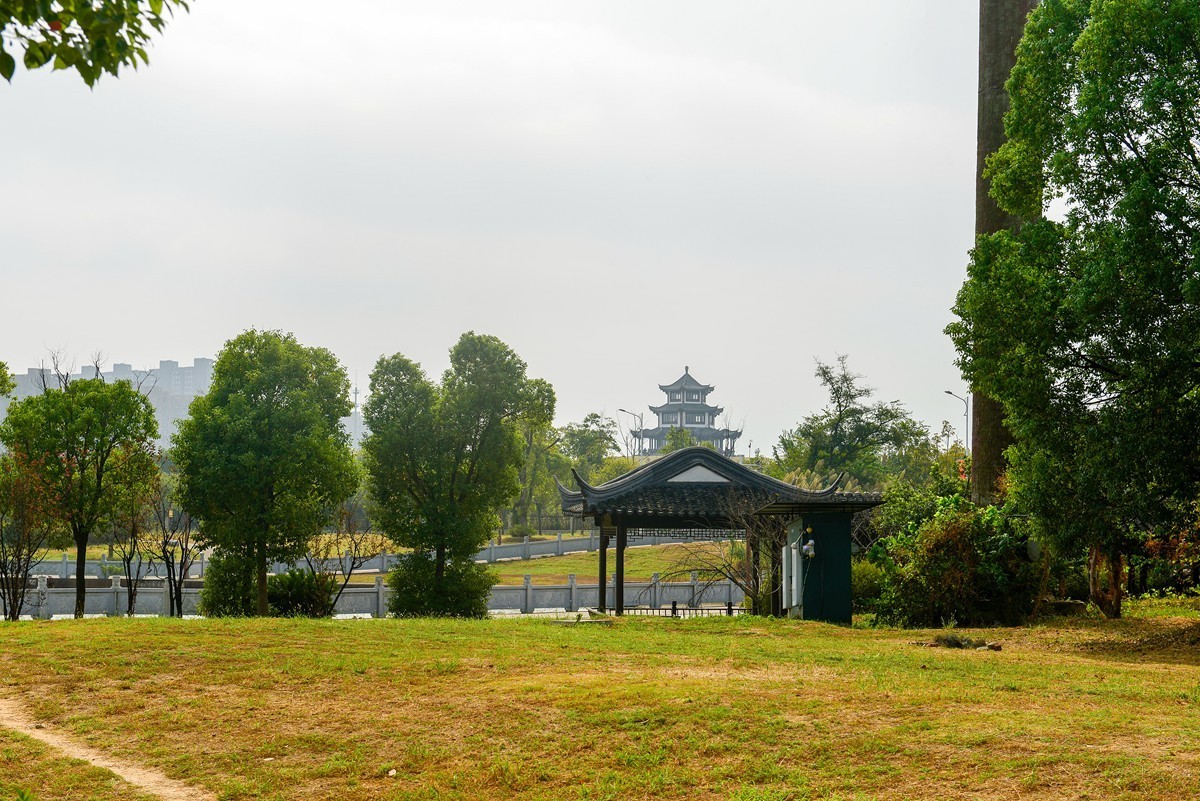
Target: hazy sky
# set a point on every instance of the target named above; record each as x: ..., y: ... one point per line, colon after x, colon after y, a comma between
x: 615, y: 189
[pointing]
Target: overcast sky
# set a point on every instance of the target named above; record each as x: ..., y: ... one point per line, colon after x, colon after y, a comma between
x: 615, y: 189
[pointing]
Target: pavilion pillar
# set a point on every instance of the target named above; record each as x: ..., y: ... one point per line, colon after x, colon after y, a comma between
x: 602, y: 604
x: 776, y: 577
x: 619, y: 581
x: 756, y: 571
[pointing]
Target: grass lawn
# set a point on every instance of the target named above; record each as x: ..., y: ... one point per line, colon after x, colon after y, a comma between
x: 641, y: 562
x: 738, y: 708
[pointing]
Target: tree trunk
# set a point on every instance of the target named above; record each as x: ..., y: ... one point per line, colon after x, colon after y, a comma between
x: 1001, y: 23
x: 80, y: 569
x: 1106, y: 596
x: 261, y: 569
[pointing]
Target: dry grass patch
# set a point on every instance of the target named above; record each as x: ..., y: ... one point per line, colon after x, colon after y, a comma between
x: 649, y: 708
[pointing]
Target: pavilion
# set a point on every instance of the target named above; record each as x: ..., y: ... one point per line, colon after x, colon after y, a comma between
x: 696, y: 493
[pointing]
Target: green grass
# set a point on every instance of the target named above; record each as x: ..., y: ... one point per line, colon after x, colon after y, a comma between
x: 26, y: 764
x: 648, y: 708
x: 640, y: 564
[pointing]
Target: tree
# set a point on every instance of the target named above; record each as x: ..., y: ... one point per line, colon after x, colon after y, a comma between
x: 130, y: 515
x: 351, y: 543
x: 26, y: 516
x: 588, y: 443
x: 7, y: 385
x: 89, y: 36
x: 174, y: 542
x: 870, y: 442
x: 1087, y: 328
x: 678, y: 439
x: 538, y: 441
x: 1001, y: 23
x: 263, y: 459
x: 91, y: 441
x: 442, y: 458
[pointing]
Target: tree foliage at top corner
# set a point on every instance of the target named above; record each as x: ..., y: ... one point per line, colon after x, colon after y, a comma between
x: 91, y: 37
x: 1085, y: 321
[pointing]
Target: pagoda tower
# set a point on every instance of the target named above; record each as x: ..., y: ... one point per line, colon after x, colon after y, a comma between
x: 687, y: 407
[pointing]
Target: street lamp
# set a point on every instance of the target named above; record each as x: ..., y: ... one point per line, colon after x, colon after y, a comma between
x: 966, y: 421
x: 637, y: 417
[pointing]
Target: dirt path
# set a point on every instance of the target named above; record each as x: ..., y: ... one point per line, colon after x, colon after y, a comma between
x: 14, y: 716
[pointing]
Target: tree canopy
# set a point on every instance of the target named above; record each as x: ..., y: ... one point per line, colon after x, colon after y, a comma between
x: 91, y: 37
x: 263, y: 459
x: 589, y: 442
x: 443, y: 458
x: 6, y: 381
x: 870, y: 441
x: 1086, y: 325
x: 91, y: 442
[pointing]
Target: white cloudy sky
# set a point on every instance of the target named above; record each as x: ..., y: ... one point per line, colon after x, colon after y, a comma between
x: 616, y: 188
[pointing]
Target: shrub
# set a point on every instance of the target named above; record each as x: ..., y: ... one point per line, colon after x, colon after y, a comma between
x: 229, y: 588
x: 520, y: 532
x: 462, y: 591
x: 966, y: 564
x: 301, y: 593
x: 866, y: 584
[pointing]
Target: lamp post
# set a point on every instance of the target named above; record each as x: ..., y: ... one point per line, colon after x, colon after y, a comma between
x: 637, y: 417
x: 966, y: 421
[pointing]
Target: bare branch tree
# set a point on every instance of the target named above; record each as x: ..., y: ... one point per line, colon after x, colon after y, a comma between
x: 24, y: 525
x: 174, y: 543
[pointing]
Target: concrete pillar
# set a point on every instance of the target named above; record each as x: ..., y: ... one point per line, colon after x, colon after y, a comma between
x: 527, y: 606
x: 380, y: 598
x: 573, y: 602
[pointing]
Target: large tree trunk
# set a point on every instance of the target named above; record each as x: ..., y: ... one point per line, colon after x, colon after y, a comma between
x: 1106, y: 597
x: 1001, y: 23
x: 81, y: 542
x: 261, y: 575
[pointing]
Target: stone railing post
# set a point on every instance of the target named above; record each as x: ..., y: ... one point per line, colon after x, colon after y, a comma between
x: 654, y: 591
x: 695, y: 599
x: 573, y: 601
x: 380, y: 598
x: 528, y: 605
x: 43, y: 598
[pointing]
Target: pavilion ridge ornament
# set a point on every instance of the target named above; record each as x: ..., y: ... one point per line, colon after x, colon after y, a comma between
x: 687, y: 407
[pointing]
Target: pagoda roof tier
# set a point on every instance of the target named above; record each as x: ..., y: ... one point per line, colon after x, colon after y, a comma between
x: 700, y: 485
x: 686, y: 381
x: 687, y: 407
x: 699, y: 432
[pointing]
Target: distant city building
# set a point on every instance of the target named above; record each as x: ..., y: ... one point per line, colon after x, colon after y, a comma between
x: 170, y: 387
x: 687, y: 407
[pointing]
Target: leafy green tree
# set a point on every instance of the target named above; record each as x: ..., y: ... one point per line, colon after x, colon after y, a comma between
x: 612, y: 467
x: 442, y: 458
x: 588, y: 443
x: 678, y: 439
x: 89, y: 36
x: 263, y: 459
x: 538, y: 442
x: 93, y: 442
x: 7, y: 385
x: 1087, y: 327
x: 26, y: 516
x: 872, y: 442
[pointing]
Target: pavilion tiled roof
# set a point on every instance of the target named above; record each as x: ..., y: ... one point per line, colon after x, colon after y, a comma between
x: 699, y: 482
